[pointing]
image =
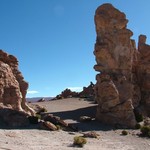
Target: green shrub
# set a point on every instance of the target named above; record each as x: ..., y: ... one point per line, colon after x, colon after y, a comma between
x: 124, y: 132
x: 58, y: 127
x: 79, y: 141
x: 38, y: 116
x: 42, y: 110
x: 138, y: 116
x: 147, y: 121
x: 137, y: 126
x: 145, y: 130
x: 149, y: 134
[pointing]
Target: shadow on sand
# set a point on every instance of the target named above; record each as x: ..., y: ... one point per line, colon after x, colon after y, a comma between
x: 83, y: 126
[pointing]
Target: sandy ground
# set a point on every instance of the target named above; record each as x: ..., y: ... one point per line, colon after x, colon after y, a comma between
x: 70, y: 110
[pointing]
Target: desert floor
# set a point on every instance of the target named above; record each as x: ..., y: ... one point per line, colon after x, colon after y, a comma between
x: 70, y: 110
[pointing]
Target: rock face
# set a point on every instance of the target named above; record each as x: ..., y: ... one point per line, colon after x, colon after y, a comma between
x: 13, y: 87
x: 124, y: 79
x: 12, y: 118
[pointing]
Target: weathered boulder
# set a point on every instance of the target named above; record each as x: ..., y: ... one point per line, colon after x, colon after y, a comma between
x: 114, y: 52
x: 13, y: 87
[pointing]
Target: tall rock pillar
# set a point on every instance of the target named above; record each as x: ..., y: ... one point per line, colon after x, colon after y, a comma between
x: 143, y: 74
x: 114, y: 51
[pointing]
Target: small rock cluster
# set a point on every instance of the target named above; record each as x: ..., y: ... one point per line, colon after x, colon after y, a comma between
x: 51, y: 122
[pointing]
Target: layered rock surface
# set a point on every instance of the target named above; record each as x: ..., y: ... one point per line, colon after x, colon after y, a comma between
x: 123, y: 82
x: 13, y: 87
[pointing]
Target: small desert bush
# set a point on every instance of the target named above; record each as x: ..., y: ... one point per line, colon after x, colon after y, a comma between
x: 145, y: 130
x: 137, y: 126
x: 38, y: 116
x: 58, y: 127
x: 39, y: 109
x: 42, y: 110
x: 79, y: 141
x: 138, y: 116
x: 147, y: 121
x: 124, y: 132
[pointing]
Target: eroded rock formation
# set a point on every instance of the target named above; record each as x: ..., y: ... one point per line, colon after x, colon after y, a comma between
x: 13, y: 87
x: 123, y: 83
x: 88, y: 92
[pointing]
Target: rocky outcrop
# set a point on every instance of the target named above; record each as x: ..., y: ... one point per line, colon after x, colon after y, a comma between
x: 67, y: 93
x: 114, y: 51
x: 13, y: 87
x: 88, y: 92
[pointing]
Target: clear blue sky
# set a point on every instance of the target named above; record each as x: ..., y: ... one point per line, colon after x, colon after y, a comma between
x: 54, y: 39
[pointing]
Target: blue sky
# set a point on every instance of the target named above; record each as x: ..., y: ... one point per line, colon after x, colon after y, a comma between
x: 54, y: 39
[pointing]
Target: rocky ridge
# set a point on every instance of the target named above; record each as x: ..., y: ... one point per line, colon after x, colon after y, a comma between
x: 87, y: 92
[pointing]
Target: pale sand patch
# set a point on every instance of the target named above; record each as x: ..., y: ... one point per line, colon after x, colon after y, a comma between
x: 70, y: 110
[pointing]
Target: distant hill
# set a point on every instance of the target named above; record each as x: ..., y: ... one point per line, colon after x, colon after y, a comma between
x: 36, y: 99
